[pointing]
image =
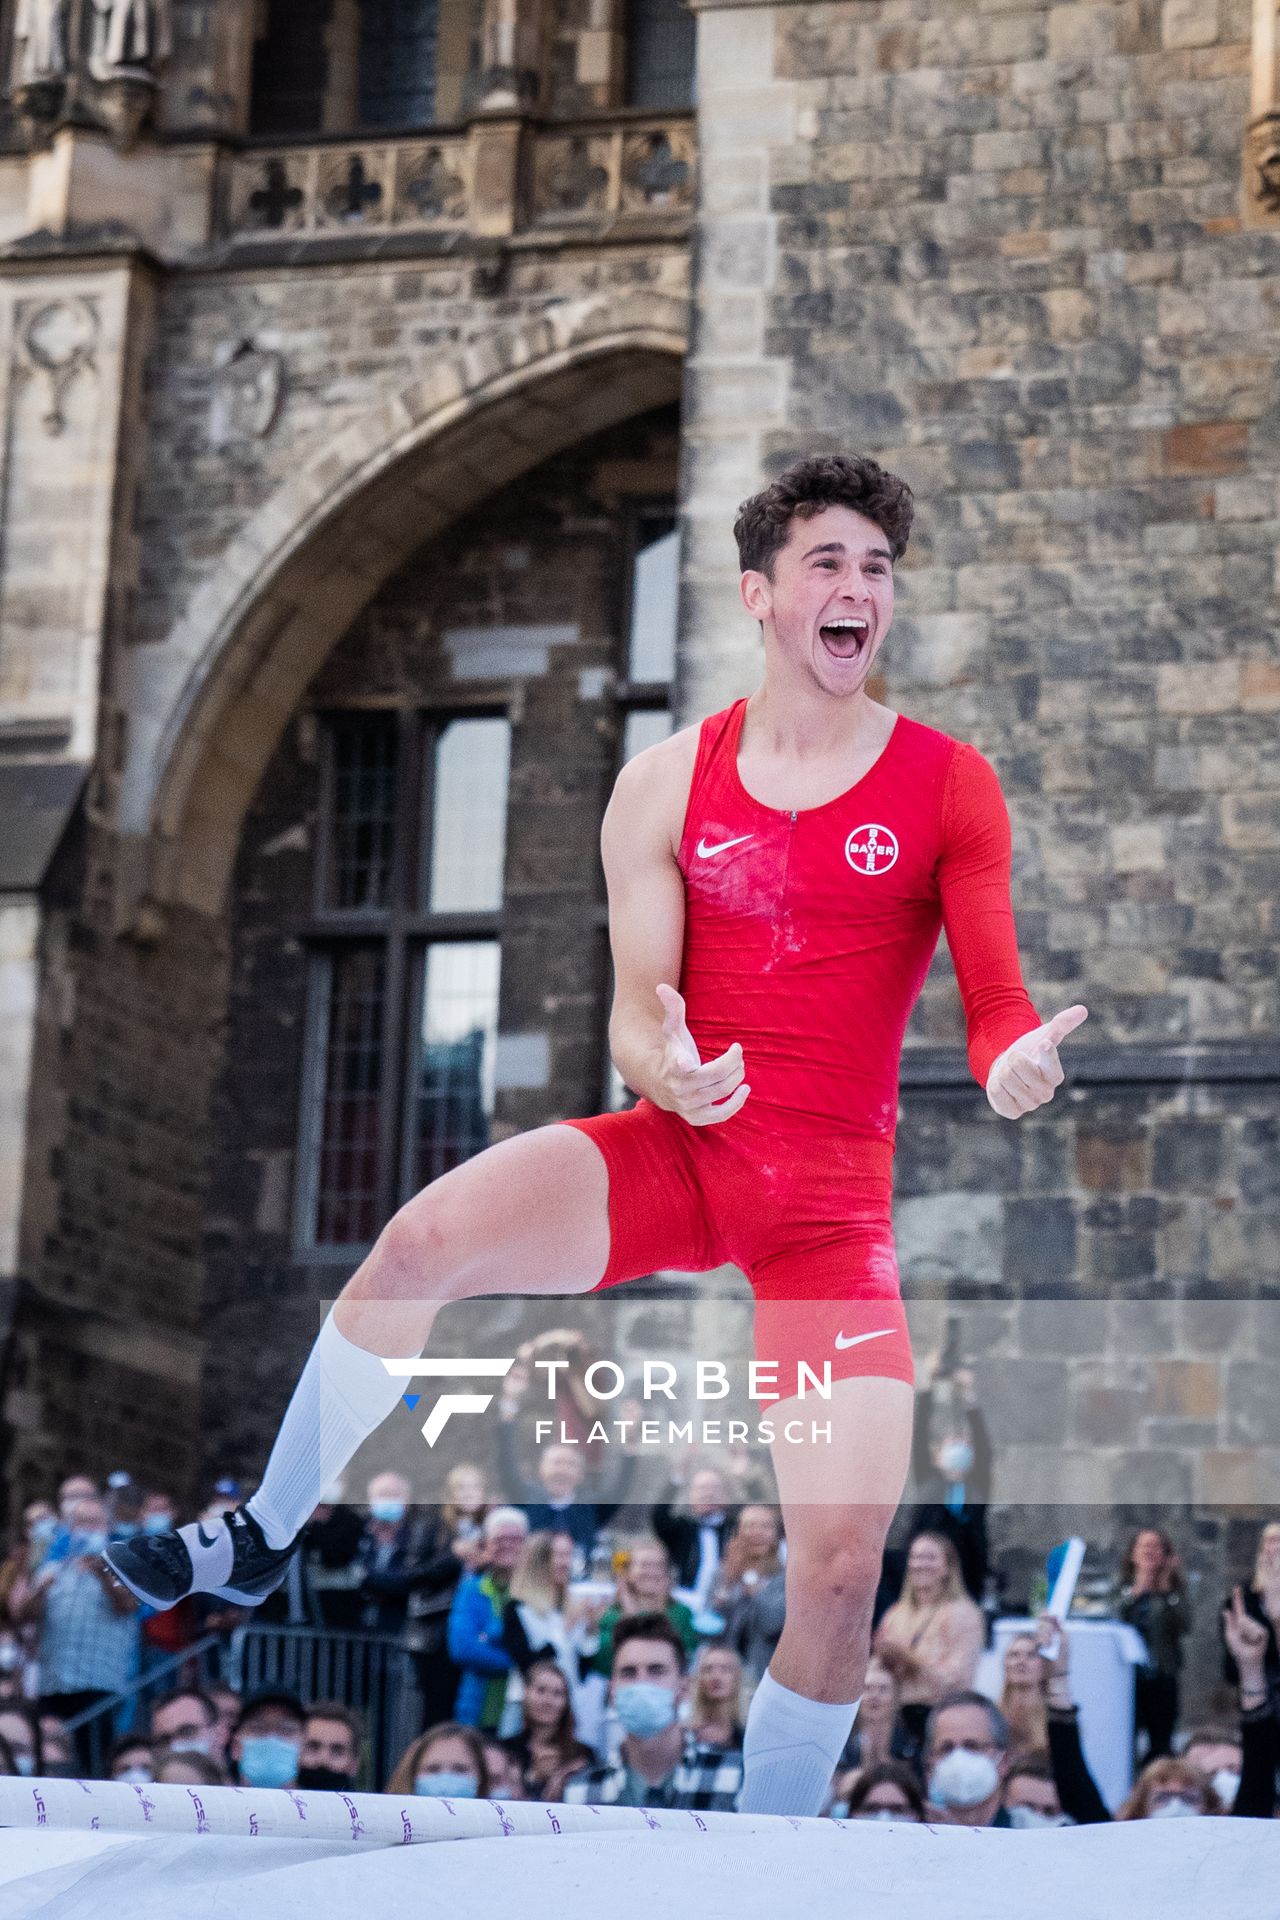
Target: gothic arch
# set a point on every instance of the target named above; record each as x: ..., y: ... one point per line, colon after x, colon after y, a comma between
x: 221, y: 687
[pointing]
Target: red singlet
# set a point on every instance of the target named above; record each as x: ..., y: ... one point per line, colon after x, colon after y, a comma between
x: 808, y: 936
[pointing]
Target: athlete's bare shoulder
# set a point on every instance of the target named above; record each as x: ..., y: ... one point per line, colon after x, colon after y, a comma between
x: 651, y: 792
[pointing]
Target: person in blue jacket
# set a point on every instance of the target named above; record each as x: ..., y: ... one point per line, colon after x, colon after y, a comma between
x: 474, y: 1635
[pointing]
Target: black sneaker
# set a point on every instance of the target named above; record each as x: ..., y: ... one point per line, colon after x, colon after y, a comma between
x: 229, y: 1559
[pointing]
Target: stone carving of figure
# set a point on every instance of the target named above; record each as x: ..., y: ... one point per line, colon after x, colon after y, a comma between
x: 129, y: 35
x: 40, y: 42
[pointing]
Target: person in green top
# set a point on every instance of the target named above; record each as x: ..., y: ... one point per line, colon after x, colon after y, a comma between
x: 645, y: 1587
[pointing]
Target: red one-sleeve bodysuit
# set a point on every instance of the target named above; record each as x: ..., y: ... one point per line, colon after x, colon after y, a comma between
x: 808, y: 936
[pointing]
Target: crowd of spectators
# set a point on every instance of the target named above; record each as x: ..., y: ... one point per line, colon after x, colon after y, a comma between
x: 614, y: 1662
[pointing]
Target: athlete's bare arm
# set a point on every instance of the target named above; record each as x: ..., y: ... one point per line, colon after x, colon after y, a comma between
x: 651, y: 1045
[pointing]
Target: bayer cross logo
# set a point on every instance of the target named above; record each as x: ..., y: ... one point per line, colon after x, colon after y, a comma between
x: 871, y: 849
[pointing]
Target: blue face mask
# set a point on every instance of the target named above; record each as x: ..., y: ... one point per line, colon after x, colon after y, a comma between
x: 92, y: 1542
x: 25, y: 1763
x: 447, y: 1786
x: 268, y: 1760
x: 43, y: 1530
x: 390, y: 1510
x: 158, y: 1523
x: 645, y: 1708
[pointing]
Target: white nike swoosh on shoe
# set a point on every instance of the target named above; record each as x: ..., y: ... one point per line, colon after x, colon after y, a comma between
x: 705, y: 852
x: 858, y: 1338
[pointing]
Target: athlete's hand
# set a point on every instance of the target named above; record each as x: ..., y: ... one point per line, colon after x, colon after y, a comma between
x: 1026, y: 1075
x: 701, y: 1093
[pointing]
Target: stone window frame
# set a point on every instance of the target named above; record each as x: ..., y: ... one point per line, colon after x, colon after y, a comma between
x: 407, y: 928
x: 631, y: 696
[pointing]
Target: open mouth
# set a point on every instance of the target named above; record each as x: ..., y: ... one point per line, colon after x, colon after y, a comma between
x: 844, y: 639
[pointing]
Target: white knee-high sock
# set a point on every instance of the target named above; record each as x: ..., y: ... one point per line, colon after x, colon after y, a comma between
x: 343, y: 1394
x: 790, y: 1749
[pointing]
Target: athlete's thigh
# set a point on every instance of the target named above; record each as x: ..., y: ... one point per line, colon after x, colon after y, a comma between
x: 846, y: 1483
x: 526, y: 1215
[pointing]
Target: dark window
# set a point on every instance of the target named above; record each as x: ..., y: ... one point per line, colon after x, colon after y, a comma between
x: 291, y: 68
x: 660, y: 45
x: 406, y: 965
x: 649, y: 657
x: 397, y: 63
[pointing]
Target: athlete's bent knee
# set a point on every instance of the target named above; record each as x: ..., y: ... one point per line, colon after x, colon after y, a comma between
x: 418, y: 1255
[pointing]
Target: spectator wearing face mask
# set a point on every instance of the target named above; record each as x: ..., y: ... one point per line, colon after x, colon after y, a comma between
x: 660, y: 1763
x: 390, y: 1552
x: 132, y: 1760
x: 933, y: 1633
x: 1031, y: 1797
x: 1153, y: 1599
x: 332, y: 1743
x: 951, y: 1463
x: 717, y: 1711
x: 89, y: 1628
x: 1255, y: 1794
x: 266, y: 1744
x: 20, y: 1728
x: 1168, y: 1789
x: 545, y: 1747
x: 886, y: 1791
x: 1217, y: 1754
x: 966, y: 1757
x: 447, y: 1763
x: 1023, y: 1701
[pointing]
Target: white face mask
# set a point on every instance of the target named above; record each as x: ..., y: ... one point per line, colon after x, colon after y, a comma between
x: 884, y: 1813
x: 956, y: 1457
x: 963, y: 1779
x: 136, y: 1776
x: 1226, y: 1784
x: 1035, y: 1817
x: 1173, y: 1810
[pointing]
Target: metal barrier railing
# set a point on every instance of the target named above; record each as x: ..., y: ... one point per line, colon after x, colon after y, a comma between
x: 94, y: 1731
x: 370, y: 1672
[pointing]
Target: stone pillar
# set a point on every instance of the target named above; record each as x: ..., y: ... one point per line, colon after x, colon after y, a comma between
x: 601, y: 52
x: 70, y: 375
x: 735, y: 389
x: 1262, y: 141
x: 209, y: 78
x: 513, y: 55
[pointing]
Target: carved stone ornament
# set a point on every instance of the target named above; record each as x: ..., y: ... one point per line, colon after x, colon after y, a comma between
x: 247, y: 393
x: 55, y: 341
x: 41, y: 62
x: 1264, y: 162
x: 131, y: 41
x: 39, y: 42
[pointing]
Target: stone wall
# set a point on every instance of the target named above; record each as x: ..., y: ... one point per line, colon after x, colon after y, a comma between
x: 1000, y: 248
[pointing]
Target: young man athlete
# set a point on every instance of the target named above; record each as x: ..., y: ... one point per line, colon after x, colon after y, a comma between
x: 790, y: 863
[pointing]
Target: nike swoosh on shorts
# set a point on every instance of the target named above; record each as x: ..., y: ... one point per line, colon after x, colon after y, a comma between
x: 705, y: 852
x: 857, y: 1339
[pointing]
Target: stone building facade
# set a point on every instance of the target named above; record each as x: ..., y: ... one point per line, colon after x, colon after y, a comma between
x: 320, y: 390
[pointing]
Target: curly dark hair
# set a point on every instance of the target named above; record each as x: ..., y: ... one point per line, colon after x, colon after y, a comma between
x: 805, y: 488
